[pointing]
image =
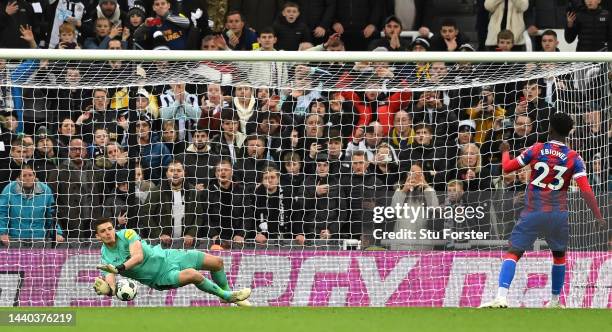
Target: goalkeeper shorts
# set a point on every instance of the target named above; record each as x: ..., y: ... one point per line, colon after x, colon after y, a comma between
x: 177, y: 260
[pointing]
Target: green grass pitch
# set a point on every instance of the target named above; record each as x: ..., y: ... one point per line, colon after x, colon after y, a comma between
x: 328, y: 319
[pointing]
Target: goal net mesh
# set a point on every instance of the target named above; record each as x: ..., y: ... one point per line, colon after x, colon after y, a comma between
x: 363, y: 184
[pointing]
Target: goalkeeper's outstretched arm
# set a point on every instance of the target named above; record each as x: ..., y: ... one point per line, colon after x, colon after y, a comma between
x: 136, y: 257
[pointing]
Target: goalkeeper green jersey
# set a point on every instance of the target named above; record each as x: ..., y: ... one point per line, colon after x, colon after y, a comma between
x: 146, y: 272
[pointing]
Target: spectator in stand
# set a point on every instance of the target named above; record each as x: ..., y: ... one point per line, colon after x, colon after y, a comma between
x: 450, y: 37
x: 212, y: 102
x: 259, y: 13
x: 485, y: 113
x: 401, y: 135
x: 230, y: 140
x: 290, y: 28
x: 143, y: 104
x: 392, y: 40
x: 27, y: 210
x: 513, y: 199
x: 182, y: 107
x: 532, y: 104
x: 245, y: 104
x: 115, y: 205
x: 591, y: 25
x: 16, y: 15
x: 69, y: 100
x: 417, y: 15
x: 238, y: 36
x: 197, y: 11
x: 97, y: 147
x: 77, y: 192
x: 523, y: 136
x: 249, y: 168
x: 506, y: 15
x: 67, y: 37
x: 323, y: 203
x: 505, y: 41
x: 543, y: 15
x: 65, y: 12
x: 469, y: 169
x: 267, y: 73
x: 147, y: 196
x: 292, y: 182
x: 66, y: 131
x: 430, y: 109
x: 433, y: 161
x: 269, y: 128
x: 318, y: 16
x: 180, y: 209
x: 549, y: 41
x: 104, y: 33
x: 271, y: 210
x: 228, y: 209
x: 45, y: 157
x: 199, y: 160
x: 385, y: 166
x: 98, y: 115
x: 175, y: 28
x: 357, y: 21
x: 114, y: 161
x: 171, y: 139
x: 108, y: 9
x: 367, y: 140
x: 153, y: 155
x: 421, y: 70
x: 19, y: 156
x: 591, y: 134
x: 360, y: 192
x: 415, y: 192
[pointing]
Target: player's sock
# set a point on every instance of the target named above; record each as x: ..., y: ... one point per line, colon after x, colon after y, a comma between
x: 220, y: 278
x: 558, y: 276
x: 211, y: 288
x: 506, y: 274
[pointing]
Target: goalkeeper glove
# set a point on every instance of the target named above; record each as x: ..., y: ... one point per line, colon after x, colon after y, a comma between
x: 101, y: 287
x: 111, y: 269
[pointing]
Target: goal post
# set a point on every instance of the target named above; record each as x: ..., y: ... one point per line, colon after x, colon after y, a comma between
x: 321, y: 178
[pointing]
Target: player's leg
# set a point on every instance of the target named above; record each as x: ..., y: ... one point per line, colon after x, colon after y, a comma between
x: 557, y: 237
x: 214, y: 264
x: 522, y: 238
x: 191, y: 276
x: 558, y: 278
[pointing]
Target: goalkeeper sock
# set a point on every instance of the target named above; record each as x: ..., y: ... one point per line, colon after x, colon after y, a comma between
x: 558, y: 276
x: 506, y: 275
x: 220, y: 278
x: 211, y: 288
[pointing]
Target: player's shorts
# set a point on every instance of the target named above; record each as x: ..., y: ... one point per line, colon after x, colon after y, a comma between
x: 177, y: 260
x: 552, y: 226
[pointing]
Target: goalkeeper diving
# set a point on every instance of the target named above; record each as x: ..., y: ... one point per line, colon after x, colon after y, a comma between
x: 125, y: 253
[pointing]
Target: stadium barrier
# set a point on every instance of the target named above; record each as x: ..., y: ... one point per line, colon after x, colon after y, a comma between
x: 321, y: 278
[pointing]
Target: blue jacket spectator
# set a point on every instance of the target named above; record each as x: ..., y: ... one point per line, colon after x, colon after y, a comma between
x: 238, y: 36
x: 153, y: 154
x: 27, y: 209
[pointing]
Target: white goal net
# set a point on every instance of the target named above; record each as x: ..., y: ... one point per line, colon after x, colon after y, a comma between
x: 344, y: 183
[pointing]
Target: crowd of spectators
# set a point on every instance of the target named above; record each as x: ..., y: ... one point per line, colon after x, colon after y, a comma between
x: 233, y: 162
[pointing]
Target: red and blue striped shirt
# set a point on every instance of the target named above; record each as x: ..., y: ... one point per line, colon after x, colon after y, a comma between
x: 553, y: 166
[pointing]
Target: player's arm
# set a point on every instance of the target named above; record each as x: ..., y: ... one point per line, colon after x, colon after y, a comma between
x: 586, y: 191
x: 136, y: 257
x: 509, y: 165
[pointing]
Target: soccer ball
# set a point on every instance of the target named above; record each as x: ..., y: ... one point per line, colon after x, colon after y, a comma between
x: 126, y: 290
